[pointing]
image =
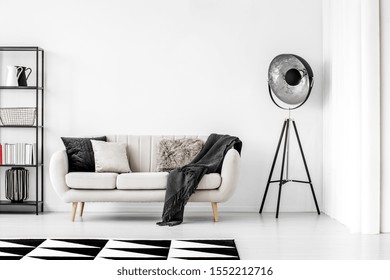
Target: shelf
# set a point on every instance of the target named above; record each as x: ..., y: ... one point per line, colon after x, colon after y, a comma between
x: 25, y: 88
x: 20, y: 48
x: 38, y: 89
x: 21, y: 165
x: 24, y: 203
x: 21, y: 126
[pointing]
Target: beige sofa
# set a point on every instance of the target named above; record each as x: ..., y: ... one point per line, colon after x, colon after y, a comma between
x: 144, y: 183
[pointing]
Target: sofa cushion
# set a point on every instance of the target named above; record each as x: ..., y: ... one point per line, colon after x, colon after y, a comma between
x: 91, y: 180
x: 158, y: 181
x: 110, y: 157
x: 175, y: 153
x: 80, y: 153
x: 142, y: 181
x: 210, y: 181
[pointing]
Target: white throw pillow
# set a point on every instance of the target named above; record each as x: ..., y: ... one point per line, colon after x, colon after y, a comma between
x: 110, y: 157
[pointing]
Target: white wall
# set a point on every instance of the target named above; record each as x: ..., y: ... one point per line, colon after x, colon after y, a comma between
x: 176, y: 67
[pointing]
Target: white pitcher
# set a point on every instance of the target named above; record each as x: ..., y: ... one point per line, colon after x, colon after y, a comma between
x: 12, y: 76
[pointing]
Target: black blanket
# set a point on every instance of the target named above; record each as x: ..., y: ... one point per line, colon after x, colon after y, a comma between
x: 183, y: 182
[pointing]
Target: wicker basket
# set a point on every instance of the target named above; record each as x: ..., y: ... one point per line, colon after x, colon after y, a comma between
x: 18, y: 116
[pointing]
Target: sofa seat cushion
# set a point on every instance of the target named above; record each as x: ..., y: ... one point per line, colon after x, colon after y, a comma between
x: 142, y: 181
x: 91, y: 180
x: 158, y: 181
x: 210, y: 181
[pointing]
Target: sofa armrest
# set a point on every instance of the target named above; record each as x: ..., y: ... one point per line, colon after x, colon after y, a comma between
x: 229, y: 173
x: 58, y: 169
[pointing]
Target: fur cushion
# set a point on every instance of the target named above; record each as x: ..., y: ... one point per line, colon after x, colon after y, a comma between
x: 174, y: 154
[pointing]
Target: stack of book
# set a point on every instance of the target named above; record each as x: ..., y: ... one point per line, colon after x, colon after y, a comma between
x: 17, y: 154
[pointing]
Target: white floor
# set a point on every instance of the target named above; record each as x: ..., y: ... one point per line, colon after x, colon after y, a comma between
x: 292, y: 236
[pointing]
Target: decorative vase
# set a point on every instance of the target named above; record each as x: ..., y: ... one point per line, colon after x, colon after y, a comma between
x: 16, y: 184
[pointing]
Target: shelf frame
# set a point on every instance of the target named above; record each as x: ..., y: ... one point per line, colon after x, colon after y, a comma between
x: 21, y: 126
x: 21, y: 165
x: 39, y: 90
x: 24, y: 203
x: 22, y: 88
x: 20, y: 49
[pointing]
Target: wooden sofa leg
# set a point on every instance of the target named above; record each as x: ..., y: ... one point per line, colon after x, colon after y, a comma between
x: 74, y: 210
x: 215, y: 211
x: 81, y: 208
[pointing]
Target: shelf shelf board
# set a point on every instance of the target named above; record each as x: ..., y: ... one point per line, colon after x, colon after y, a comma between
x: 21, y: 126
x: 24, y: 203
x: 21, y: 165
x: 25, y: 88
x: 20, y: 48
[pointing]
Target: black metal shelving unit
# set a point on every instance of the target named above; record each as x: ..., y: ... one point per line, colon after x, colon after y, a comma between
x: 39, y: 90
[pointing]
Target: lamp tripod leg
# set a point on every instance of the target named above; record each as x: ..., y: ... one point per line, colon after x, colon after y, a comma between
x: 282, y: 169
x: 306, y: 168
x: 273, y: 166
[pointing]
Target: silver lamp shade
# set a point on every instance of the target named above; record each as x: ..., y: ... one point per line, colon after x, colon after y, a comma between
x: 290, y: 79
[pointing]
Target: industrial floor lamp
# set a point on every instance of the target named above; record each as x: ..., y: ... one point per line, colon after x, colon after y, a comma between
x: 290, y: 79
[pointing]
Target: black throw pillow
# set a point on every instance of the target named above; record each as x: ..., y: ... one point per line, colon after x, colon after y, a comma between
x: 80, y: 153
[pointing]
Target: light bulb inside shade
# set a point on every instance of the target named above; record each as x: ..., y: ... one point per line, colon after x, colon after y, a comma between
x: 293, y: 77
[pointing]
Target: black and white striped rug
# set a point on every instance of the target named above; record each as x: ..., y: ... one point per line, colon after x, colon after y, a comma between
x: 117, y: 249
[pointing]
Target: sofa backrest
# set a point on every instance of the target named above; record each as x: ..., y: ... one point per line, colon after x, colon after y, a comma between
x: 142, y: 149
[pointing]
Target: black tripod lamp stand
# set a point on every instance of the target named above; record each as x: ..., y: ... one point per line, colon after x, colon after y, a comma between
x: 290, y: 79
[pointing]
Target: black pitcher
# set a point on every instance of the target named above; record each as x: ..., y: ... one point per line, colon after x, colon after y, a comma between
x: 22, y: 80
